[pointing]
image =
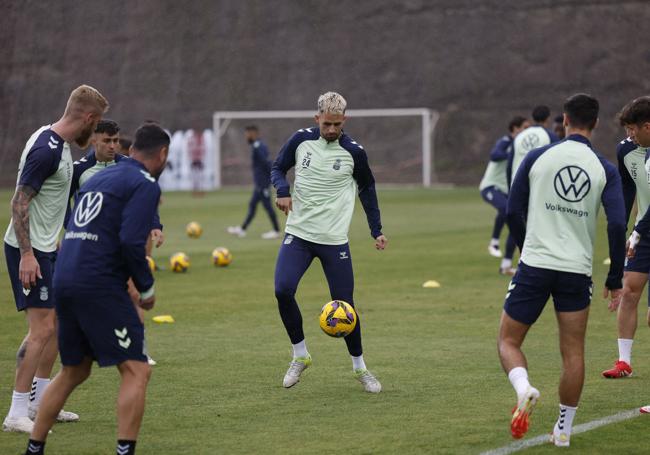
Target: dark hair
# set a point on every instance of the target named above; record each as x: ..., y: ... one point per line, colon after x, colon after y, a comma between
x: 125, y: 143
x: 582, y: 111
x: 107, y: 126
x: 559, y: 118
x: 516, y: 122
x: 541, y: 113
x: 635, y: 112
x: 150, y: 138
x: 251, y: 128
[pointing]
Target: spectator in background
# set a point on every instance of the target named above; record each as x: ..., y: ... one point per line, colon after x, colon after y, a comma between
x: 262, y: 180
x: 196, y: 152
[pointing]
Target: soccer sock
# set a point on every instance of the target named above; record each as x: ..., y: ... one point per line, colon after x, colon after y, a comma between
x: 125, y: 447
x: 358, y: 363
x: 494, y: 243
x: 38, y: 388
x: 35, y: 447
x: 565, y: 420
x: 19, y: 404
x: 519, y: 379
x: 506, y: 263
x: 625, y: 350
x: 300, y: 350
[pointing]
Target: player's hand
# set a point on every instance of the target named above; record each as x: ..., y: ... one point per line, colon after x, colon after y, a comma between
x: 614, y: 297
x: 284, y: 204
x: 147, y: 304
x: 29, y: 270
x: 632, y: 242
x: 157, y: 237
x: 381, y: 242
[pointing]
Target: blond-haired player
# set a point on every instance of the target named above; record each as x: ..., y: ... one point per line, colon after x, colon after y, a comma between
x: 38, y: 208
x: 331, y: 168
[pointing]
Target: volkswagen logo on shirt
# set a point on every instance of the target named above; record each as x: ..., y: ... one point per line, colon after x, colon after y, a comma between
x: 88, y: 208
x: 572, y: 183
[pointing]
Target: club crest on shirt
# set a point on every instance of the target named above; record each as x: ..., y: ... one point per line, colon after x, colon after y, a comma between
x: 337, y: 165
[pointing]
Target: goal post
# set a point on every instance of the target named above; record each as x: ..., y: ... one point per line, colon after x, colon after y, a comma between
x: 221, y: 120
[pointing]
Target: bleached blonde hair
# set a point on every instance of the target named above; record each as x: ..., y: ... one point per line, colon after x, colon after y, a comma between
x: 86, y: 99
x: 331, y: 103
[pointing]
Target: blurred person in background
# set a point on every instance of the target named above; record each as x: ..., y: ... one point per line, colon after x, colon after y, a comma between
x: 262, y: 186
x: 494, y: 190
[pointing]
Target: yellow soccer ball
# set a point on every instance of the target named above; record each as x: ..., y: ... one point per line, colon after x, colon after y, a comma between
x: 152, y: 264
x: 338, y: 318
x: 193, y: 230
x: 221, y: 257
x: 179, y: 262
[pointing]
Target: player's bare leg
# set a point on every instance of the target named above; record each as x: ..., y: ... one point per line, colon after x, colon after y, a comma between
x: 626, y: 319
x: 511, y: 336
x: 56, y: 395
x: 573, y: 327
x: 131, y: 399
x: 41, y: 322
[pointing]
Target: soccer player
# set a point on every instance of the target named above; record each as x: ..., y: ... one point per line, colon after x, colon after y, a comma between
x: 536, y: 135
x: 37, y: 208
x: 105, y: 144
x: 330, y: 167
x: 262, y: 181
x: 125, y: 145
x: 635, y: 118
x: 552, y: 213
x: 494, y: 189
x: 103, y: 246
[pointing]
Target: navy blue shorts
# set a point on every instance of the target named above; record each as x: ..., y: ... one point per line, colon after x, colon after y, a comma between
x: 531, y: 287
x: 641, y: 261
x: 495, y: 197
x: 103, y: 325
x: 41, y: 295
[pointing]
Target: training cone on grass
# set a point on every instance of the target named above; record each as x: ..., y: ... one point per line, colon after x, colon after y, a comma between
x: 431, y: 284
x: 163, y: 319
x: 607, y: 261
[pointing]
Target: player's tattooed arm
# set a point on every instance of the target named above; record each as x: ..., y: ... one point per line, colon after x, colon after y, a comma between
x: 20, y: 212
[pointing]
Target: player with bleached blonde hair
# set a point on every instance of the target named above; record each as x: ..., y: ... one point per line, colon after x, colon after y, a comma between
x: 331, y: 168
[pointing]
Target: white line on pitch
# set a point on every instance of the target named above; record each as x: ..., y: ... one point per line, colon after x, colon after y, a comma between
x: 544, y: 439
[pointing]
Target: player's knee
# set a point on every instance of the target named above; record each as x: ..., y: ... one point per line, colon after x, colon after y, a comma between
x: 42, y: 333
x: 284, y: 294
x: 631, y: 297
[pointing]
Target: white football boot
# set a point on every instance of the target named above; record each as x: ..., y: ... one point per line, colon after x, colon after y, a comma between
x: 236, y: 230
x: 18, y: 424
x: 296, y: 367
x: 369, y: 381
x: 271, y: 235
x: 63, y: 417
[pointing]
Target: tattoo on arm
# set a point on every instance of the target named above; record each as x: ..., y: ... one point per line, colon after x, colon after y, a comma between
x: 20, y: 212
x: 20, y: 355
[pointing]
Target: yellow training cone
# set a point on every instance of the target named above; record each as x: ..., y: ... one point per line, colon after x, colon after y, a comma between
x: 163, y: 318
x: 431, y: 284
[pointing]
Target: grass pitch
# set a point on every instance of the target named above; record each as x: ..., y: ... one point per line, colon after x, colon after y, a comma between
x: 217, y: 388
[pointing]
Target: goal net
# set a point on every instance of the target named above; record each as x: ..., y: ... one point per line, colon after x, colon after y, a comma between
x: 399, y: 142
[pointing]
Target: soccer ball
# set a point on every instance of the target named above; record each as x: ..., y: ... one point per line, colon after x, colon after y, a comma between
x: 193, y: 230
x: 338, y: 318
x: 179, y: 262
x: 152, y: 264
x: 221, y: 257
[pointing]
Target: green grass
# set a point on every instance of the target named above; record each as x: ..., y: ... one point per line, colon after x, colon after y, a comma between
x: 218, y: 385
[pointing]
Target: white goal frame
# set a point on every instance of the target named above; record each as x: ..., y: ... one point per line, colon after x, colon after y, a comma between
x: 221, y: 121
